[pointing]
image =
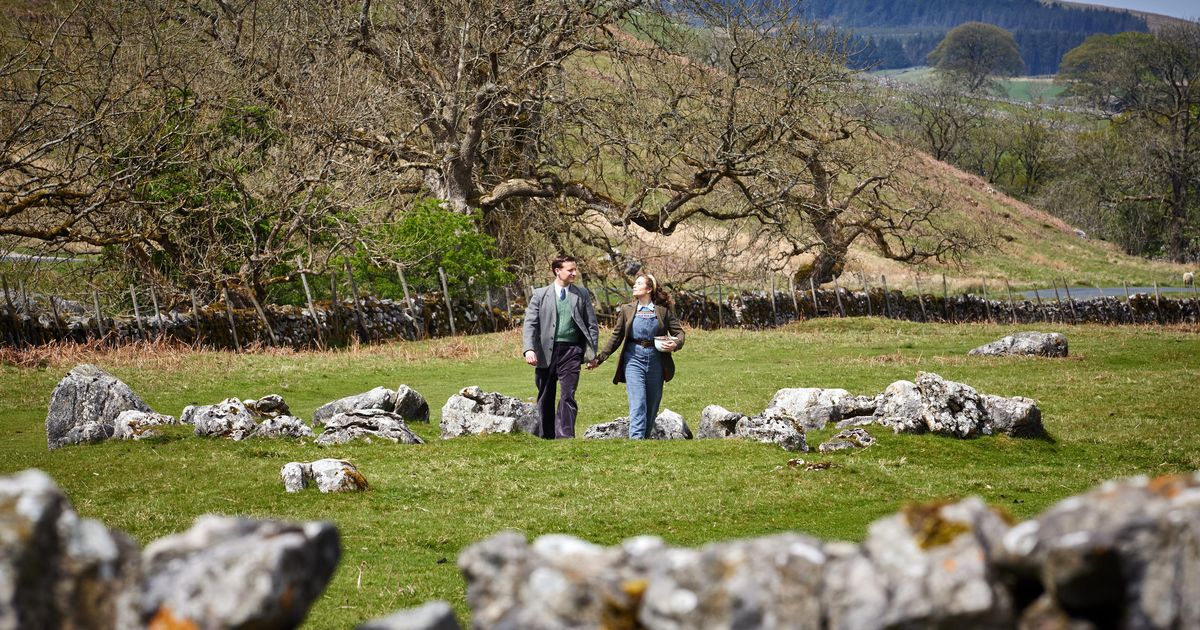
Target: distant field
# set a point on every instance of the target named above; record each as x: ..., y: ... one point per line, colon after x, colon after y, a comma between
x: 1022, y: 89
x: 1122, y: 404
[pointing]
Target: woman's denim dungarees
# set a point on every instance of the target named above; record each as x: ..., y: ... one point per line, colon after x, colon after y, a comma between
x: 643, y: 376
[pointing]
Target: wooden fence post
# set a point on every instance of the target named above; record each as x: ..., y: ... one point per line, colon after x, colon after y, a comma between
x: 263, y: 315
x: 1103, y: 306
x: 987, y: 304
x: 196, y: 317
x: 363, y: 333
x: 1157, y: 305
x: 1128, y: 306
x: 1062, y: 316
x: 17, y: 333
x: 837, y: 293
x: 99, y: 314
x: 157, y: 313
x: 1037, y: 294
x: 1012, y: 307
x: 58, y: 325
x: 812, y: 286
x: 720, y: 306
x: 921, y: 298
x: 137, y: 314
x: 795, y: 302
x: 862, y: 277
x: 1070, y: 302
x: 774, y: 310
x: 312, y: 309
x: 237, y: 344
x: 945, y: 300
x: 449, y: 307
x: 887, y: 297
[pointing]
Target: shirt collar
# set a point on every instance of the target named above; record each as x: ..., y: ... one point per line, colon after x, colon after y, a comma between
x: 645, y: 307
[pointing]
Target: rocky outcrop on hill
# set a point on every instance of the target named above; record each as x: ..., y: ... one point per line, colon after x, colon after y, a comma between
x: 1025, y: 344
x: 85, y: 404
x: 473, y: 411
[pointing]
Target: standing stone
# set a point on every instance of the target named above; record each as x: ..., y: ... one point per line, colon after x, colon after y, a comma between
x: 1025, y: 344
x: 367, y: 425
x: 475, y: 412
x: 85, y: 405
x: 717, y: 422
x: 238, y: 573
x: 378, y: 398
x: 411, y: 405
x: 814, y: 407
x: 139, y: 425
x: 58, y: 570
x: 229, y: 418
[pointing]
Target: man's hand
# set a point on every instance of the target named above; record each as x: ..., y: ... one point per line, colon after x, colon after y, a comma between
x: 591, y: 365
x: 531, y: 357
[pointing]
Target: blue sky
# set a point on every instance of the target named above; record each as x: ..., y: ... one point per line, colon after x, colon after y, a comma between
x: 1178, y: 8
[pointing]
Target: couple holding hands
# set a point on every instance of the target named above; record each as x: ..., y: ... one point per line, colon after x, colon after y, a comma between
x: 561, y: 335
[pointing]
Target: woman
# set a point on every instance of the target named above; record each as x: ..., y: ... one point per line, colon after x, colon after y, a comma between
x: 643, y: 368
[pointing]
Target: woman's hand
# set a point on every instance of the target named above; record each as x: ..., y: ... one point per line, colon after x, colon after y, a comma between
x: 669, y: 345
x: 591, y: 365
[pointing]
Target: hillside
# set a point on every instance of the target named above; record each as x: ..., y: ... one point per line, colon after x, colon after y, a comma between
x: 900, y: 33
x: 1031, y: 248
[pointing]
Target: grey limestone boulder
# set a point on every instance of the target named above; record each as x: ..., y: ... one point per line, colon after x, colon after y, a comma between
x: 58, y: 570
x: 857, y: 410
x: 1025, y: 344
x: 378, y: 398
x: 411, y: 405
x: 1017, y: 416
x: 814, y: 407
x: 85, y: 404
x: 847, y: 439
x: 328, y: 475
x: 237, y: 573
x: 436, y: 615
x: 139, y: 425
x: 668, y: 425
x: 773, y: 426
x: 717, y: 422
x: 950, y: 408
x: 229, y: 418
x: 269, y: 406
x: 283, y: 426
x: 933, y: 562
x: 367, y: 425
x: 473, y: 411
x: 1125, y: 555
x: 900, y: 408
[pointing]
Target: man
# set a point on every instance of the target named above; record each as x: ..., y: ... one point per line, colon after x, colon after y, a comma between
x: 560, y: 335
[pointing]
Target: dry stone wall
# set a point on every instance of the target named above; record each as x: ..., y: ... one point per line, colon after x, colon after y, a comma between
x: 385, y: 319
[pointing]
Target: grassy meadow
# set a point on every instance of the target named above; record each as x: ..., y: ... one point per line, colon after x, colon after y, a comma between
x: 1123, y: 404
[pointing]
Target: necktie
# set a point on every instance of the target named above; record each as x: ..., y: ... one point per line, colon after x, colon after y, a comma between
x: 562, y: 293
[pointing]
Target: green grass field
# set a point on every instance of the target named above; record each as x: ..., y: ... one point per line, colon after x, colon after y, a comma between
x: 1123, y: 404
x: 1021, y: 89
